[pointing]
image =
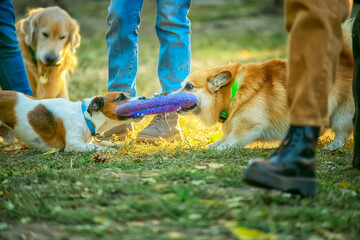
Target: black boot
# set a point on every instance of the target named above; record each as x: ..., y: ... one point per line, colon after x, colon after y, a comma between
x: 292, y: 167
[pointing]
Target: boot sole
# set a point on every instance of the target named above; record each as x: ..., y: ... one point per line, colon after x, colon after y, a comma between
x: 153, y: 140
x: 269, y: 180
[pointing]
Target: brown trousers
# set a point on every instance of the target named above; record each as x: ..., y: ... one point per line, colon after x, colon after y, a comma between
x: 314, y: 45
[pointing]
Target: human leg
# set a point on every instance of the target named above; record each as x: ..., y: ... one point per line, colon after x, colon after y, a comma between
x: 315, y: 39
x: 12, y: 68
x: 173, y: 30
x: 356, y: 90
x: 122, y: 43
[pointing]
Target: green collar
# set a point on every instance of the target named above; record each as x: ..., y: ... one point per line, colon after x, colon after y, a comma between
x: 224, y: 114
x: 33, y: 56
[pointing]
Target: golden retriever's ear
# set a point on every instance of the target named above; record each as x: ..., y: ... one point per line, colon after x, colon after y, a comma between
x: 96, y: 104
x: 29, y: 26
x: 219, y: 80
x: 74, y: 37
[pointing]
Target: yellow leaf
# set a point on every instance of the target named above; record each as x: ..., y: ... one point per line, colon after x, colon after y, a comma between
x: 101, y: 220
x: 168, y: 196
x: 174, y: 235
x: 215, y: 137
x: 215, y: 165
x: 243, y: 233
x: 345, y: 184
x: 206, y: 201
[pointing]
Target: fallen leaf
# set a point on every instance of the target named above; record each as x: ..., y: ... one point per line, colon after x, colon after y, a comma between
x: 194, y: 216
x: 25, y: 220
x: 49, y: 152
x: 148, y: 181
x: 345, y: 184
x: 168, y: 196
x: 215, y: 165
x: 200, y: 167
x: 158, y: 186
x: 206, y: 201
x: 198, y: 182
x: 137, y: 223
x: 243, y: 233
x: 101, y: 220
x: 174, y: 235
x: 10, y: 206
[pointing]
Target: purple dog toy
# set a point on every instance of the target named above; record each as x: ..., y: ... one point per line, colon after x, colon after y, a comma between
x: 157, y: 105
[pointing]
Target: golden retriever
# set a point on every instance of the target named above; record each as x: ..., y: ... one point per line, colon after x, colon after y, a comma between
x: 48, y: 39
x: 259, y: 109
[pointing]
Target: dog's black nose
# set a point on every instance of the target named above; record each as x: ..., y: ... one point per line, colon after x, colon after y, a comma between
x: 142, y: 98
x: 50, y: 58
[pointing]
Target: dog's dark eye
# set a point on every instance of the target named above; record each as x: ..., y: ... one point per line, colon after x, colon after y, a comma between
x: 62, y: 37
x: 122, y: 97
x: 189, y: 86
x: 45, y: 34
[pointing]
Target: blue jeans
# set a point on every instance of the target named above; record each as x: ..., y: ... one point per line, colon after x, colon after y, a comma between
x: 173, y: 30
x: 12, y: 69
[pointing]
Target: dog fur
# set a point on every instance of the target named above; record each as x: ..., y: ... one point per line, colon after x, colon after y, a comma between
x: 259, y: 110
x: 48, y: 39
x: 59, y: 123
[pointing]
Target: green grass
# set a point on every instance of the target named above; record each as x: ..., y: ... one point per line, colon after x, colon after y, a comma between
x: 172, y: 190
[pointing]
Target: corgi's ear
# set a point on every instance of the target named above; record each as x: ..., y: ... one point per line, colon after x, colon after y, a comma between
x: 96, y: 104
x: 219, y: 80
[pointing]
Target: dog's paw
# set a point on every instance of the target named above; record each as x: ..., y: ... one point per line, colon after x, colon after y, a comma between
x: 222, y: 147
x: 333, y: 146
x: 7, y: 135
x: 213, y: 145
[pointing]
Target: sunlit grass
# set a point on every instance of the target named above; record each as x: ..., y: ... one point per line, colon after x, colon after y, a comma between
x: 176, y: 190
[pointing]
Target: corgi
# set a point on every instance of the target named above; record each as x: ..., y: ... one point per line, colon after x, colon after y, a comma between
x: 251, y: 101
x: 62, y: 124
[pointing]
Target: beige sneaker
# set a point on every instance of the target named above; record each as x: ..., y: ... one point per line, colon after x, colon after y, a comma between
x: 164, y: 126
x: 121, y: 132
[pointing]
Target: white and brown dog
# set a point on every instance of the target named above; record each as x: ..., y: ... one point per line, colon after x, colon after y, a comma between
x: 62, y: 124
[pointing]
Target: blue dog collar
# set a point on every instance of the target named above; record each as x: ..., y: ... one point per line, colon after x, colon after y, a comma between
x: 88, y: 122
